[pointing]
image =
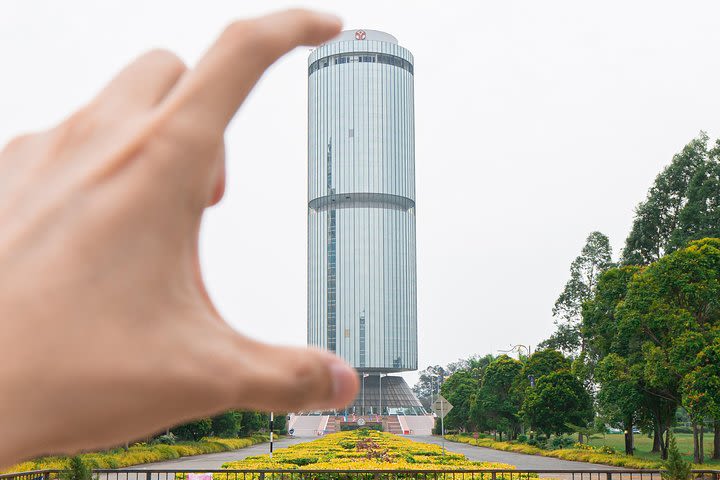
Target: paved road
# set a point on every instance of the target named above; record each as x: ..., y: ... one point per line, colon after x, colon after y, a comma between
x: 520, y: 460
x: 213, y: 461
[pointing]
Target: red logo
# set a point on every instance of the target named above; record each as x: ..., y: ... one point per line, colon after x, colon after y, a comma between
x: 360, y: 35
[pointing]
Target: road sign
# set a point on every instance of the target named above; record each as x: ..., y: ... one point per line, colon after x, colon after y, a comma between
x: 441, y: 407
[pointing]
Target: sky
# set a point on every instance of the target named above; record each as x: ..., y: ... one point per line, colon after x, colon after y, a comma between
x: 536, y: 124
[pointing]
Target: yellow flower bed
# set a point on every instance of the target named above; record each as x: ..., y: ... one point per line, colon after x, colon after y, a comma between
x: 577, y: 455
x: 142, y: 453
x: 362, y: 450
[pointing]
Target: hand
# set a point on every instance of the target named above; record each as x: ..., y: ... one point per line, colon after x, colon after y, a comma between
x: 109, y: 333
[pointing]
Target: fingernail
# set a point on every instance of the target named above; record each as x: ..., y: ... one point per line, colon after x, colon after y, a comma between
x: 343, y: 378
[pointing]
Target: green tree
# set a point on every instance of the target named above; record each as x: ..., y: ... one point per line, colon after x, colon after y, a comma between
x: 459, y: 389
x: 227, y: 424
x: 668, y: 316
x: 497, y: 403
x: 594, y: 259
x: 701, y: 394
x: 620, y: 398
x: 541, y: 363
x: 657, y: 218
x: 194, y: 430
x: 700, y: 217
x: 558, y: 399
x: 619, y: 395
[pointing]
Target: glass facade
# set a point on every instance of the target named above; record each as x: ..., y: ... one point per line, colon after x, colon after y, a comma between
x: 361, y: 210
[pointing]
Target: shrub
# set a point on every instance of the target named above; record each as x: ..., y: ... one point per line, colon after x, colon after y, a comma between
x: 194, y: 430
x: 166, y: 439
x: 77, y: 470
x: 561, y: 442
x: 676, y: 468
x: 227, y: 424
x: 522, y: 438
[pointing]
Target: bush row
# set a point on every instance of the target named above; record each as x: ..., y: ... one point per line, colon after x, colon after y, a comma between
x: 142, y: 453
x: 583, y: 454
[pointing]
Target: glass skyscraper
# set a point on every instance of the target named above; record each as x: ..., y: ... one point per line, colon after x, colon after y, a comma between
x: 361, y: 209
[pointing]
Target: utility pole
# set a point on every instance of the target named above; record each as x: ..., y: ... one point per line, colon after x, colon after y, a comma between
x: 272, y: 417
x: 442, y: 424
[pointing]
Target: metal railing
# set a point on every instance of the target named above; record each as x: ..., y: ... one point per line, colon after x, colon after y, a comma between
x: 152, y: 474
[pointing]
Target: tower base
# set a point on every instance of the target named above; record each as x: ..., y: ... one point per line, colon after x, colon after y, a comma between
x: 384, y: 395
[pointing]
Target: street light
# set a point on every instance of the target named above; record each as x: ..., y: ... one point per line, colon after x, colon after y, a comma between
x: 518, y: 348
x: 364, y: 376
x: 380, y: 381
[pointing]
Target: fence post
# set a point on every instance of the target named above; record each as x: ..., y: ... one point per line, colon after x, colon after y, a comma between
x: 148, y: 476
x: 608, y: 476
x: 493, y: 476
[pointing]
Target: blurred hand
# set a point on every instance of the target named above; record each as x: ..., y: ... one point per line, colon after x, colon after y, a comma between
x: 109, y: 333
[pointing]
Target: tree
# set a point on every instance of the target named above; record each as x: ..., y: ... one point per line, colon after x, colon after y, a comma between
x: 668, y: 316
x: 497, y: 404
x: 428, y: 384
x: 227, y: 424
x: 558, y: 399
x: 700, y: 217
x: 594, y: 259
x: 541, y: 363
x: 194, y: 430
x: 657, y: 218
x: 620, y: 398
x: 459, y: 389
x: 701, y: 393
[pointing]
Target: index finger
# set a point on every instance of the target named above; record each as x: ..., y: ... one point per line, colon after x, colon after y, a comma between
x: 212, y: 92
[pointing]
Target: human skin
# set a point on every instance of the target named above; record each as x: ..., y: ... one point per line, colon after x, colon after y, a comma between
x: 109, y: 334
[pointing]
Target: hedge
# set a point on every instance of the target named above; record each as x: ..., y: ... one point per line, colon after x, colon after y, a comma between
x: 573, y: 454
x: 140, y: 453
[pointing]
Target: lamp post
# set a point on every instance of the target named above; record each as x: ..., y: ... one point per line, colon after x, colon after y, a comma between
x: 518, y: 348
x: 272, y: 417
x: 364, y: 376
x: 380, y: 382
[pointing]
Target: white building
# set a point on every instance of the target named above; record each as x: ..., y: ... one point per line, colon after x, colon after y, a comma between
x: 361, y: 212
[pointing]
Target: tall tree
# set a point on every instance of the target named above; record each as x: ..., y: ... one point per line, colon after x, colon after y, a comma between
x: 702, y: 388
x: 594, y: 259
x: 670, y: 313
x: 619, y: 398
x: 700, y: 217
x: 658, y: 216
x: 428, y: 384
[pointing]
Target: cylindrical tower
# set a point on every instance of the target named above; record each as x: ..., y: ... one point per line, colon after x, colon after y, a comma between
x: 361, y: 210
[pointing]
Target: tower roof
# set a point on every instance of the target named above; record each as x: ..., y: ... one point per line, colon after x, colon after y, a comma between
x: 363, y: 34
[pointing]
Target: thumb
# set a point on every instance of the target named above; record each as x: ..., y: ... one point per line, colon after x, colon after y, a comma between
x: 291, y: 378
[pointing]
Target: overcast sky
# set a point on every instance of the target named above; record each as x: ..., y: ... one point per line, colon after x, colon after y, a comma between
x: 537, y: 123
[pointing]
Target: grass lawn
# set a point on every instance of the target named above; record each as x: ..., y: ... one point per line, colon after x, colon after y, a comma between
x: 643, y: 445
